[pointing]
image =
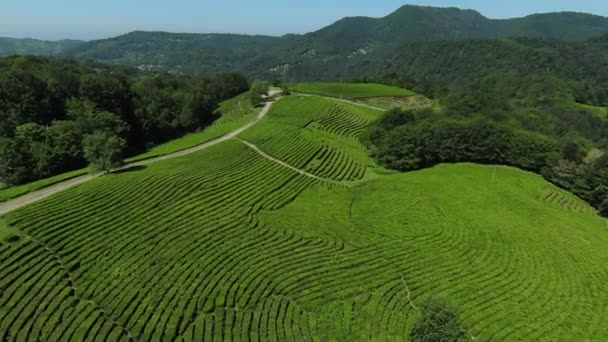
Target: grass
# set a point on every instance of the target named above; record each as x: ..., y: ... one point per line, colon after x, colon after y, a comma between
x: 233, y: 113
x: 224, y: 244
x: 350, y: 90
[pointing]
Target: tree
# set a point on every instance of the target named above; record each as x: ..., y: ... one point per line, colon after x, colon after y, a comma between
x: 397, y: 117
x: 257, y: 90
x: 15, y: 162
x: 572, y: 152
x: 438, y: 323
x: 34, y: 139
x: 103, y: 150
x: 604, y: 208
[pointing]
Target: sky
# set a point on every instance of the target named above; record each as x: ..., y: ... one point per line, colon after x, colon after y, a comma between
x: 94, y: 19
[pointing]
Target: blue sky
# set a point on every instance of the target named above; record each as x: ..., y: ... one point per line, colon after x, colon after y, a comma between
x: 92, y: 19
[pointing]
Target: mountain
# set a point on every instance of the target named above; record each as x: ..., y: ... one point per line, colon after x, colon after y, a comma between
x: 261, y: 56
x: 15, y: 46
x: 344, y: 49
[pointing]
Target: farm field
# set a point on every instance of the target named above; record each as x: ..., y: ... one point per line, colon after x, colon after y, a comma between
x: 350, y: 90
x: 225, y: 244
x: 405, y: 103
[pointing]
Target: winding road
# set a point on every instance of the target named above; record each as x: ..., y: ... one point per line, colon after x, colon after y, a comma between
x: 38, y: 195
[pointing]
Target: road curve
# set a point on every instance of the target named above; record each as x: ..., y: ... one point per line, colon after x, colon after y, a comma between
x: 38, y: 195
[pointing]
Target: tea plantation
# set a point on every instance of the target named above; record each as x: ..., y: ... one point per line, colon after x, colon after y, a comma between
x: 228, y: 245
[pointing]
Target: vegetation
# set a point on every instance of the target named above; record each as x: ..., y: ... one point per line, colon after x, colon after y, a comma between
x: 51, y: 107
x: 317, y: 135
x: 347, y: 48
x: 103, y: 151
x: 257, y: 91
x: 230, y: 115
x: 437, y: 324
x: 350, y: 90
x: 410, y: 140
x: 20, y: 190
x: 225, y: 244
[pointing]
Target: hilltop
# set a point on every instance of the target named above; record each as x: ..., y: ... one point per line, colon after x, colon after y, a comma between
x: 352, y: 41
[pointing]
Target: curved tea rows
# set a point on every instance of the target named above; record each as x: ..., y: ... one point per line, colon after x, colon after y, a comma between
x: 565, y: 200
x: 317, y: 135
x: 515, y: 267
x: 226, y: 245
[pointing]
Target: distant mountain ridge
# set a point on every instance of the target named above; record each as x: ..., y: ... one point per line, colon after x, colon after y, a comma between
x: 349, y: 39
x: 28, y: 46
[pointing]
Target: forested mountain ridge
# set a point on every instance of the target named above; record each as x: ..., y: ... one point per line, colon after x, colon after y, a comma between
x: 352, y: 39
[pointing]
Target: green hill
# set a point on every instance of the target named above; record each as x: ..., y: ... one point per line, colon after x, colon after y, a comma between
x: 232, y: 243
x: 344, y: 42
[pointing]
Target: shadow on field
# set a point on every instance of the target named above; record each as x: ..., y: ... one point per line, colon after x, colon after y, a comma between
x: 129, y: 169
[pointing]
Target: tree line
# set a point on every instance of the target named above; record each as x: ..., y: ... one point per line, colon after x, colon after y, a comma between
x: 538, y: 104
x: 60, y: 115
x: 415, y: 139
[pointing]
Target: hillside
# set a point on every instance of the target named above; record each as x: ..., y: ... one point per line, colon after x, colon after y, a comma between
x: 349, y: 38
x: 292, y: 232
x: 14, y: 46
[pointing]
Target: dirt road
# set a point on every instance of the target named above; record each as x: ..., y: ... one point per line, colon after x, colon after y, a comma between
x: 38, y: 195
x: 280, y: 162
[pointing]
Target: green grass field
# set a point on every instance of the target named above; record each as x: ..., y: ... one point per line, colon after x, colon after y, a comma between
x: 350, y: 90
x: 224, y: 244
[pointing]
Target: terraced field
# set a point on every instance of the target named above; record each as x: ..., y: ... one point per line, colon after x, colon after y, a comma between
x: 350, y: 90
x: 225, y: 244
x: 318, y: 135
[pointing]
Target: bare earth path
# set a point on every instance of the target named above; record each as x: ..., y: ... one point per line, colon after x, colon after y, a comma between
x: 38, y: 195
x: 280, y: 162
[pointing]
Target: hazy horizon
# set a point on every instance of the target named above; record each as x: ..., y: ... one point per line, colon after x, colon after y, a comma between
x: 88, y: 20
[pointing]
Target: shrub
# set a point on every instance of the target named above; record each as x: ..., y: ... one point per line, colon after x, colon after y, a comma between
x: 438, y: 323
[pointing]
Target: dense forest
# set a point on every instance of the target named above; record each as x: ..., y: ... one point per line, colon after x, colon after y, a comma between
x: 57, y: 115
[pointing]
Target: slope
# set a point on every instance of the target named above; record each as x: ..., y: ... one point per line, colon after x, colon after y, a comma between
x: 349, y: 38
x: 224, y: 244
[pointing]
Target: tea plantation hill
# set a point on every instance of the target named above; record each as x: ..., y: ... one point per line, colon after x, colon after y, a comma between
x: 291, y: 232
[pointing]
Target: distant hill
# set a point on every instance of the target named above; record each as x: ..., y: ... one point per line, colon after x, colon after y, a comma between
x: 15, y: 46
x: 348, y: 38
x: 347, y: 48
